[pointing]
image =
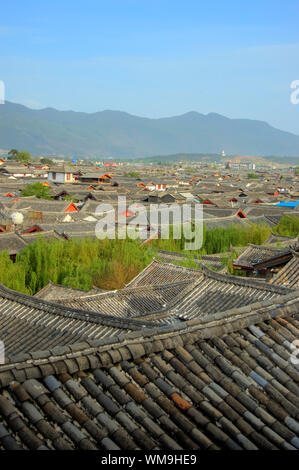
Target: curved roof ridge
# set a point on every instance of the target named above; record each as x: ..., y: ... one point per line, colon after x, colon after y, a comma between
x: 265, y: 247
x: 143, y: 342
x: 258, y: 284
x: 161, y: 263
x: 60, y: 310
x: 50, y: 283
x: 125, y: 291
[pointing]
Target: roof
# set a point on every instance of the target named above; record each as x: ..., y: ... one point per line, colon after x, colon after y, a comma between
x: 217, y: 292
x: 53, y: 292
x: 11, y: 242
x: 282, y: 239
x: 29, y: 323
x: 258, y: 253
x: 157, y: 273
x: 130, y: 302
x: 42, y: 205
x: 214, y: 261
x: 225, y: 382
x: 288, y: 276
x: 288, y: 204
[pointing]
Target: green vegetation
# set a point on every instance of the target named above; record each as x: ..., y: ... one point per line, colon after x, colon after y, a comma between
x: 296, y: 170
x: 22, y: 156
x: 252, y: 176
x: 13, y: 154
x: 111, y: 264
x: 219, y: 240
x: 227, y: 262
x: 46, y: 161
x: 288, y: 226
x: 37, y: 190
x: 12, y: 275
x: 107, y: 264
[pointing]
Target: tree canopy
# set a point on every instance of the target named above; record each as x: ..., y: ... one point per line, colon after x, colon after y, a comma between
x: 37, y: 190
x: 24, y: 156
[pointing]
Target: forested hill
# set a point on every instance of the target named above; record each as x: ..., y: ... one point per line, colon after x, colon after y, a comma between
x: 119, y: 134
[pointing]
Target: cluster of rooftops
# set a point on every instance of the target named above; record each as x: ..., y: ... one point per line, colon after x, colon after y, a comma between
x: 179, y: 358
x: 227, y: 198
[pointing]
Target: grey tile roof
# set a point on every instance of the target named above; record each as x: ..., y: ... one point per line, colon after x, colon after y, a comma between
x: 30, y: 323
x: 288, y: 276
x: 11, y: 242
x: 223, y: 383
x: 53, y: 292
x: 258, y: 253
x: 129, y: 302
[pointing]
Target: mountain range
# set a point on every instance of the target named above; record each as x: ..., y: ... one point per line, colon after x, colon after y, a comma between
x: 121, y: 135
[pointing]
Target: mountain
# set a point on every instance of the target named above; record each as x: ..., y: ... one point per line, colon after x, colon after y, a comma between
x: 119, y: 134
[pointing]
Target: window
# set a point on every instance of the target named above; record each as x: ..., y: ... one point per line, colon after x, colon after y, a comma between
x: 54, y: 176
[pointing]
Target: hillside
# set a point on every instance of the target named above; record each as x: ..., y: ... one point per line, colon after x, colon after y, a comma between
x: 119, y: 134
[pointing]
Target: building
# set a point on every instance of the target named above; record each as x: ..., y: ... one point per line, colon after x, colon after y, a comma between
x: 61, y: 175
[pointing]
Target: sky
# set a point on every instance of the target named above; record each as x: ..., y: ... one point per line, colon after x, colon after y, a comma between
x: 154, y: 58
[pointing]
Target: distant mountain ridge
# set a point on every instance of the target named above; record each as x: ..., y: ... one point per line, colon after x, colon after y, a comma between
x: 122, y: 135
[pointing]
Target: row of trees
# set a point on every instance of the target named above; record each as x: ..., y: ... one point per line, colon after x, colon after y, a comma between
x: 111, y: 264
x: 26, y: 157
x: 22, y: 156
x: 288, y: 226
x: 219, y: 240
x: 107, y: 264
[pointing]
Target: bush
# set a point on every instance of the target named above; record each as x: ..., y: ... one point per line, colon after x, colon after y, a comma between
x: 220, y: 240
x: 252, y: 176
x: 288, y: 226
x: 37, y: 190
x: 107, y: 264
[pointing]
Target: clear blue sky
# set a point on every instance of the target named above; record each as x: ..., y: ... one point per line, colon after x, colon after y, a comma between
x: 154, y: 57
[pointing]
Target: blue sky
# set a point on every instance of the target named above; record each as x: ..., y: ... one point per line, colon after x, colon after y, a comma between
x: 154, y: 58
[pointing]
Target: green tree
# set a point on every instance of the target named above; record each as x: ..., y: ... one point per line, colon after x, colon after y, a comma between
x: 24, y: 156
x: 13, y: 154
x: 46, y: 161
x: 37, y: 190
x: 252, y: 176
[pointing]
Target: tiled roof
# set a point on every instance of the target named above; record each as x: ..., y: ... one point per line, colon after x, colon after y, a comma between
x: 217, y: 292
x: 157, y: 273
x: 11, y: 242
x: 288, y: 276
x: 225, y: 382
x: 29, y: 323
x: 256, y: 254
x: 129, y: 302
x: 53, y: 292
x: 281, y: 239
x: 214, y: 261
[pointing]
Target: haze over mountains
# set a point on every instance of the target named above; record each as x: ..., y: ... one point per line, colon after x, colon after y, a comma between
x: 119, y: 134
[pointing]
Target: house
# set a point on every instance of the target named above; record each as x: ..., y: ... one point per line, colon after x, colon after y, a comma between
x: 61, y: 175
x: 94, y: 178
